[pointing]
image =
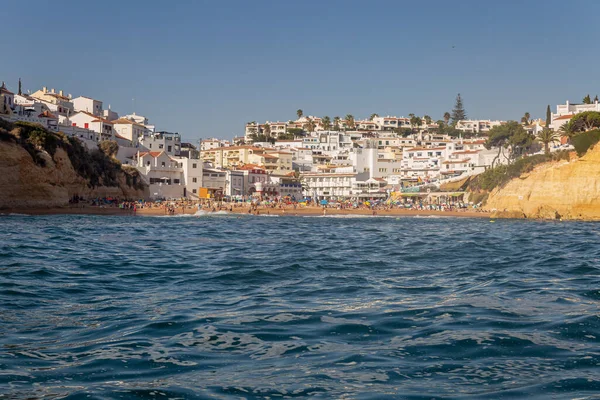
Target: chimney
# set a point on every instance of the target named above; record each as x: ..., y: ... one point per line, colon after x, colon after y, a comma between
x: 61, y: 93
x: 52, y: 90
x: 45, y: 89
x: 70, y: 96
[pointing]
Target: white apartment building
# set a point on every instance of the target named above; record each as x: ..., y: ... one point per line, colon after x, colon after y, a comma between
x: 574, y: 108
x: 92, y: 122
x: 129, y: 130
x: 88, y: 105
x: 163, y: 141
x: 57, y: 102
x: 477, y: 126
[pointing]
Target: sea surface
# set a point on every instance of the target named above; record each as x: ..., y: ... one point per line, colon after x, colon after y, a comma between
x: 251, y: 307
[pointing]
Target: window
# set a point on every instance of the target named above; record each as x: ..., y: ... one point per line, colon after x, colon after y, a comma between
x: 169, y: 148
x: 161, y: 146
x: 194, y: 191
x: 176, y: 181
x: 194, y: 165
x: 162, y: 164
x: 148, y: 163
x: 194, y: 180
x: 150, y: 146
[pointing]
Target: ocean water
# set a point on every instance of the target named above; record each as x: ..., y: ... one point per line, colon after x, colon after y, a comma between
x: 229, y: 307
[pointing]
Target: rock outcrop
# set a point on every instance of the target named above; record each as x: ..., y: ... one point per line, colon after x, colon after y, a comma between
x: 554, y: 190
x: 23, y: 184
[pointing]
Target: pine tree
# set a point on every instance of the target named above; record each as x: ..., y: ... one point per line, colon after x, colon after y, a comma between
x: 587, y: 99
x: 20, y: 92
x: 548, y: 116
x: 596, y: 99
x: 458, y: 112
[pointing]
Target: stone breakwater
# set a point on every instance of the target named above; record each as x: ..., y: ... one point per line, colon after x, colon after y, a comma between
x: 568, y: 190
x: 23, y: 184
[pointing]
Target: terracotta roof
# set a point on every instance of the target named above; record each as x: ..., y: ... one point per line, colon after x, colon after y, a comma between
x: 4, y: 90
x: 564, y: 117
x: 47, y: 114
x: 121, y: 137
x: 96, y: 118
x: 269, y: 156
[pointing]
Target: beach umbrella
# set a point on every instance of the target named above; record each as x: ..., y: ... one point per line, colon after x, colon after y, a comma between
x: 323, y: 202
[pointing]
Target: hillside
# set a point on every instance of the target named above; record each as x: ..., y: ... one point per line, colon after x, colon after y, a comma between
x: 554, y: 190
x: 42, y: 169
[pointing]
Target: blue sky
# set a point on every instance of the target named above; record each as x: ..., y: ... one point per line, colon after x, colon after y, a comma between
x: 205, y: 68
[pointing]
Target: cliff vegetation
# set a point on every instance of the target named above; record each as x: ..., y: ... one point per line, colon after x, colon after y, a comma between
x: 39, y: 168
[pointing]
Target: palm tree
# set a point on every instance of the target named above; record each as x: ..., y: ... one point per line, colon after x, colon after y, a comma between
x: 326, y: 122
x: 267, y: 130
x: 349, y: 121
x: 547, y: 136
x: 336, y: 123
x: 447, y: 117
x: 567, y: 130
x: 415, y: 121
x: 525, y: 119
x: 299, y: 113
x: 411, y: 115
x: 427, y: 119
x: 373, y: 116
x: 309, y: 125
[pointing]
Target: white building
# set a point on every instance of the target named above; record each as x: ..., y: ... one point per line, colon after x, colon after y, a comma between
x: 88, y: 105
x: 163, y: 141
x: 477, y: 126
x: 92, y: 122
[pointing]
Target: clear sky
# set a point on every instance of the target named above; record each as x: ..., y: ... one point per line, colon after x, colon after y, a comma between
x: 205, y: 68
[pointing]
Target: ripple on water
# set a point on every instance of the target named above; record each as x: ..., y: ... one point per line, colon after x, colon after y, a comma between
x: 223, y: 307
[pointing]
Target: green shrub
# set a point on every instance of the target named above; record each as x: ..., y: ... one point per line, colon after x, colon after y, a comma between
x: 585, y: 140
x: 500, y: 175
x: 97, y: 167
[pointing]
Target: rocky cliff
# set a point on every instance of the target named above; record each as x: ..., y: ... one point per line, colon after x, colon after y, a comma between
x: 25, y: 184
x: 555, y: 190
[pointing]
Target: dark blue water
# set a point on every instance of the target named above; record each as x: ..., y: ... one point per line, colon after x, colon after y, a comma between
x: 291, y: 307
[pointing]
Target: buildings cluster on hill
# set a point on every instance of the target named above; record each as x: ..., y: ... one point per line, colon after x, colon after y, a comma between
x: 307, y: 157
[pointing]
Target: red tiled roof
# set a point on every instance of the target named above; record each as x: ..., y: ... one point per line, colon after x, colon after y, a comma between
x: 47, y: 114
x: 564, y: 117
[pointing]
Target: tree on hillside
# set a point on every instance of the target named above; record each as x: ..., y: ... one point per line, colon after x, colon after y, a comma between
x: 415, y: 122
x: 566, y: 130
x: 427, y: 119
x: 373, y: 116
x: 336, y: 123
x: 510, y: 135
x: 299, y: 113
x: 458, y: 112
x: 525, y: 120
x: 447, y: 117
x: 310, y: 125
x: 596, y: 99
x: 350, y: 121
x: 548, y: 116
x: 326, y: 122
x: 587, y: 99
x: 267, y: 130
x: 585, y: 121
x: 547, y: 136
x: 109, y: 147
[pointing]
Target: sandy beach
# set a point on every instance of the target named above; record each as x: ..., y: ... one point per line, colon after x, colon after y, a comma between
x: 314, y: 211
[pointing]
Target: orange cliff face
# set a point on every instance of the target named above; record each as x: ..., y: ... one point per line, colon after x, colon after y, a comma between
x: 554, y: 190
x: 23, y: 184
